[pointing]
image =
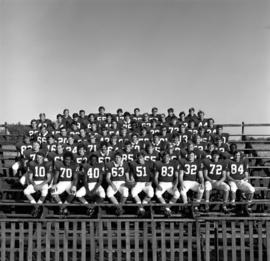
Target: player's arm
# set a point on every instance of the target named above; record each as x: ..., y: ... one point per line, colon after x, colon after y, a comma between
x: 181, y: 179
x: 56, y: 176
x: 156, y: 180
x: 98, y: 182
x: 223, y: 178
x: 201, y: 178
x: 108, y: 179
x: 176, y: 180
x: 206, y: 177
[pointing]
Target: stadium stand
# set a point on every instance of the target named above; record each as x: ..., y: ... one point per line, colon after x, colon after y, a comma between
x: 144, y: 227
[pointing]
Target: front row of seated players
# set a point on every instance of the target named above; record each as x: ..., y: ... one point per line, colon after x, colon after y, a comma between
x: 177, y: 177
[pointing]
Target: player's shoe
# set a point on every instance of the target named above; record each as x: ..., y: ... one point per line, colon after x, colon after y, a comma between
x: 37, y: 212
x: 206, y: 208
x: 224, y: 209
x: 119, y: 211
x: 90, y: 211
x: 141, y: 212
x: 64, y: 212
x: 167, y: 212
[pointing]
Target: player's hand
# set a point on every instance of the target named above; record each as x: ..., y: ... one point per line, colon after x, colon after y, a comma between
x: 159, y: 187
x: 73, y: 190
x: 36, y: 187
x: 148, y: 184
x: 182, y: 187
x: 53, y: 188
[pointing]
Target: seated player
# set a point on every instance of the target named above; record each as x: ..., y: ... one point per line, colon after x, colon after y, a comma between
x: 65, y: 179
x: 237, y: 174
x: 166, y: 179
x: 93, y: 173
x: 39, y: 177
x: 142, y: 173
x: 21, y: 147
x: 117, y: 174
x: 191, y: 178
x: 215, y: 176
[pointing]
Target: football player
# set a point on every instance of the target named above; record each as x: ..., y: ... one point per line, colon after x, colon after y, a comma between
x: 21, y: 147
x: 215, y: 176
x: 64, y: 179
x: 237, y: 174
x: 191, y: 178
x: 39, y: 177
x: 117, y: 174
x: 166, y: 179
x: 192, y: 116
x: 93, y: 173
x: 142, y: 172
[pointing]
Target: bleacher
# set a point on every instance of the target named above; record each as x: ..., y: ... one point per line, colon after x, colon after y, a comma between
x: 105, y: 236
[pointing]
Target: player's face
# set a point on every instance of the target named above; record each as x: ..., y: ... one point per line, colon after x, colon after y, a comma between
x: 43, y: 130
x: 237, y: 156
x: 219, y: 130
x: 219, y: 142
x: 163, y: 118
x: 51, y: 140
x: 114, y: 125
x: 136, y: 112
x: 82, y: 114
x: 198, y: 139
x: 134, y: 138
x: 59, y: 149
x: 70, y: 140
x: 191, y: 157
x: 59, y: 119
x: 216, y: 157
x: 82, y: 132
x: 166, y: 158
x: 124, y: 132
x: 150, y: 149
x: 67, y: 161
x: 211, y: 123
x: 74, y: 127
x: 42, y: 117
x: 182, y: 116
x: 81, y: 151
x: 176, y: 139
x: 146, y: 117
x: 40, y: 159
x: 211, y: 147
x: 192, y: 124
x: 118, y: 159
x: 27, y: 140
x: 94, y: 127
x: 104, y: 148
x: 34, y: 124
x: 92, y: 118
x: 64, y: 132
x: 93, y: 160
x: 141, y: 159
x: 66, y: 113
x: 156, y: 139
x: 128, y: 147
x: 182, y: 129
x: 191, y: 147
x: 36, y: 146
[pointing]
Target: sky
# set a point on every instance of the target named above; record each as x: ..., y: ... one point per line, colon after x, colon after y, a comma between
x: 213, y: 55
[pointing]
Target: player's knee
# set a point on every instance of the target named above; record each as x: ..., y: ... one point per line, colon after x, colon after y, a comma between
x: 233, y: 187
x: 101, y: 193
x: 208, y: 186
x: 226, y: 187
x: 176, y: 194
x: 27, y: 191
x: 15, y: 166
x: 110, y: 192
x: 23, y: 180
x: 134, y: 193
x: 124, y: 192
x: 150, y: 193
x: 159, y: 193
x: 80, y: 193
x: 251, y: 189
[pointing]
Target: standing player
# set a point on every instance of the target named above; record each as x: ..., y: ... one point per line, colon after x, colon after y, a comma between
x: 142, y: 173
x: 93, y: 175
x: 166, y: 179
x: 237, y: 174
x: 215, y: 176
x: 39, y: 177
x: 65, y: 179
x: 117, y: 175
x: 191, y: 178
